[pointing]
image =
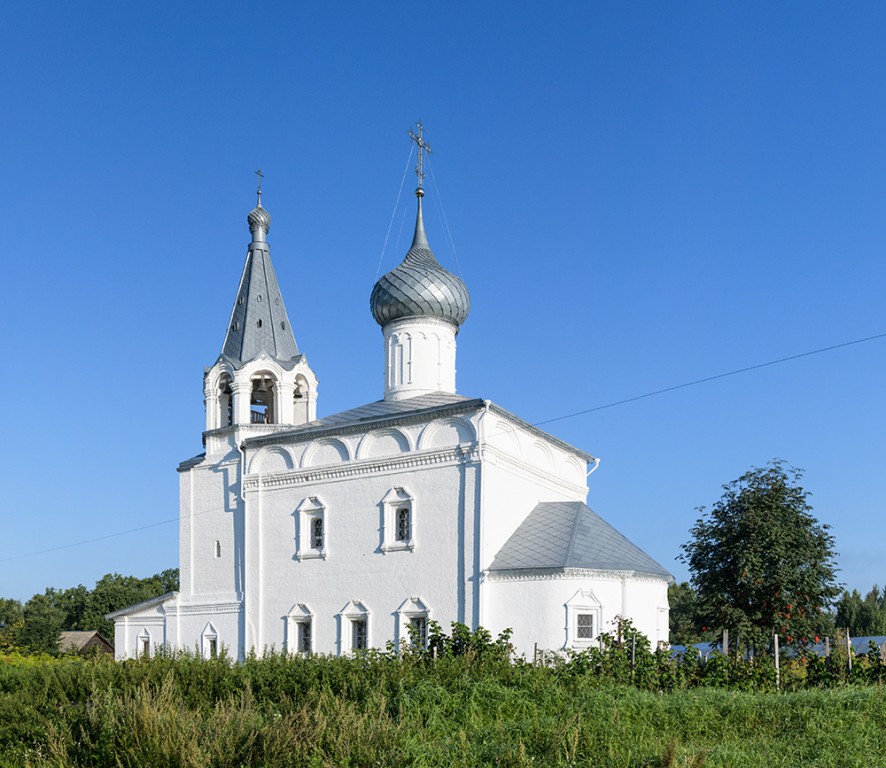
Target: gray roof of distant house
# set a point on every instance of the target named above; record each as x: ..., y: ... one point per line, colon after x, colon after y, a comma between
x: 568, y: 534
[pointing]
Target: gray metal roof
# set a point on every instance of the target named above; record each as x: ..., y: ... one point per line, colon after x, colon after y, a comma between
x: 259, y: 322
x: 568, y: 534
x: 143, y: 605
x: 375, y: 415
x: 381, y: 412
x: 419, y: 287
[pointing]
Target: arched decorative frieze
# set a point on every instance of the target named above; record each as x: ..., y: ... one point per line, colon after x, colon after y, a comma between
x: 324, y: 452
x: 273, y: 458
x: 573, y: 470
x: 540, y: 456
x: 504, y: 437
x: 385, y: 442
x: 444, y: 433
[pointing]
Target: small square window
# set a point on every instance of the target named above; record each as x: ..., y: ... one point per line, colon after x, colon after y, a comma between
x: 584, y: 626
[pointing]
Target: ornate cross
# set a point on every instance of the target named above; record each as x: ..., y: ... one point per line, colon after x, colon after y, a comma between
x: 423, y: 147
x: 260, y: 176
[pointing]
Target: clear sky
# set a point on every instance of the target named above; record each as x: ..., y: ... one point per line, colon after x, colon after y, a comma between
x: 639, y: 195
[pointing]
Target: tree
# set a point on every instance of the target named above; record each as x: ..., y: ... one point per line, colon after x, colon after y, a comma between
x: 685, y: 627
x: 42, y: 625
x: 760, y: 562
x: 862, y: 616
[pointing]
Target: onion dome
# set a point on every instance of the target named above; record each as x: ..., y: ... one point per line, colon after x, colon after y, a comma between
x: 259, y: 219
x: 420, y: 287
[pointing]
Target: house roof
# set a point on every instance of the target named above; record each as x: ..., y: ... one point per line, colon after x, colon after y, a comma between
x: 569, y: 534
x: 140, y: 606
x: 382, y: 413
x: 81, y: 639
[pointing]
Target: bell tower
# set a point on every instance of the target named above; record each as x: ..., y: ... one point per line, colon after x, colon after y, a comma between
x: 260, y: 381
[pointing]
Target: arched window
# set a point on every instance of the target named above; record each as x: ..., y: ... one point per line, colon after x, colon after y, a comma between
x: 262, y: 402
x: 225, y: 402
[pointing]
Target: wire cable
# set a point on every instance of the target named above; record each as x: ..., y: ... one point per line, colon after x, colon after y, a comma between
x: 393, y: 214
x: 712, y: 378
x: 613, y: 404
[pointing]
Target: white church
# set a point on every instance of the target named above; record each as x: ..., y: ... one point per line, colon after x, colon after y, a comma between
x: 329, y: 535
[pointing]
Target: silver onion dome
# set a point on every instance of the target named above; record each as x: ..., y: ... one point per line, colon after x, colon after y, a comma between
x: 259, y: 218
x: 420, y: 287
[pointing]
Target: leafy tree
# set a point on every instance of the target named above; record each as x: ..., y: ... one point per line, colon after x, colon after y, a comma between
x: 10, y: 611
x: 685, y: 627
x: 35, y: 627
x: 760, y: 562
x: 43, y: 621
x: 862, y: 616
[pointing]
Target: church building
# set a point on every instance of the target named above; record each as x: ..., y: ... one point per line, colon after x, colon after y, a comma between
x: 334, y: 534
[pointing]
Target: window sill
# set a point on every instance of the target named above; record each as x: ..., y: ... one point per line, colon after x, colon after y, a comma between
x: 312, y: 554
x: 399, y: 546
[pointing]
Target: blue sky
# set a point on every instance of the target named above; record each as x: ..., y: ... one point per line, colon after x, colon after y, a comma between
x: 639, y: 195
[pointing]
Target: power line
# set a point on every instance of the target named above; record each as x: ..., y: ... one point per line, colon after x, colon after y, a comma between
x: 684, y: 385
x: 89, y: 541
x: 711, y: 378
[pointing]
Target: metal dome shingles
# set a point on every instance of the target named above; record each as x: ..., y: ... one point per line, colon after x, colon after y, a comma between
x: 420, y: 287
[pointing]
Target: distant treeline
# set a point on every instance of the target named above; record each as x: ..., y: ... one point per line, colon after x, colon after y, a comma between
x: 33, y: 627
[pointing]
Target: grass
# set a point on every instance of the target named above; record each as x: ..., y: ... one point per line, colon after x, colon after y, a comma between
x: 379, y: 711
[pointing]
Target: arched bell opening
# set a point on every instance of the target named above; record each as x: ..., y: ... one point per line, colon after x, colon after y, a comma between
x: 301, y: 400
x: 262, y: 403
x: 225, y: 401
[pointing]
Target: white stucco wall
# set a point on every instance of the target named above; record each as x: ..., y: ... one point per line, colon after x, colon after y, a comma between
x: 536, y: 608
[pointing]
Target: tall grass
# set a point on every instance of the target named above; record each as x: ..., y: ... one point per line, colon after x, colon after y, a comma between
x: 379, y: 710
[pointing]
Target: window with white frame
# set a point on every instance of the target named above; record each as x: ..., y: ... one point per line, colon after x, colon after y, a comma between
x: 312, y: 536
x: 413, y: 617
x: 299, y: 633
x: 398, y: 526
x: 354, y: 627
x: 583, y: 619
x: 305, y: 641
x: 359, y: 634
x: 144, y: 644
x: 209, y: 644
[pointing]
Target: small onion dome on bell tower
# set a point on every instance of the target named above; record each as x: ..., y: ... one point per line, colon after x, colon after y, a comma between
x: 420, y: 287
x: 259, y: 220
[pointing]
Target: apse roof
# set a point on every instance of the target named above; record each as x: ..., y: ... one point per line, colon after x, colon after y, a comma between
x: 568, y: 534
